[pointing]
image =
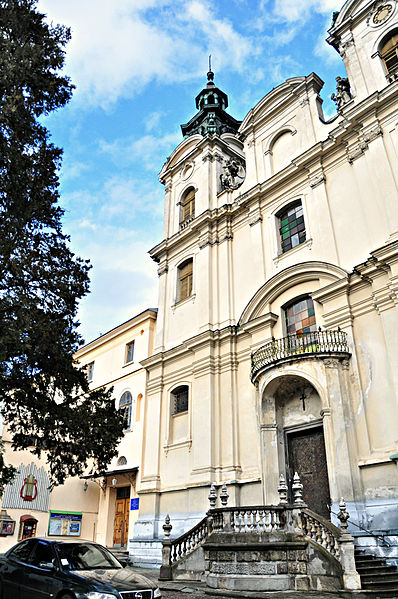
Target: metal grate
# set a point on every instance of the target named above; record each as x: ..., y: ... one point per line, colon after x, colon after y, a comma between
x: 142, y: 594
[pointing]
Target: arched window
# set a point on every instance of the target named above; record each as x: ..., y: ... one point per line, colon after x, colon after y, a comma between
x: 179, y: 400
x: 122, y: 461
x: 185, y: 274
x: 125, y: 404
x: 389, y: 55
x: 188, y: 205
x: 291, y: 226
x: 300, y: 317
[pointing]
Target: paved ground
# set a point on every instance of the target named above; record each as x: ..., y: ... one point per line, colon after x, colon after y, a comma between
x: 182, y: 589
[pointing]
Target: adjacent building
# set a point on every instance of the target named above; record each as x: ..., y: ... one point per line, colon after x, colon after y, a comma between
x: 103, y: 508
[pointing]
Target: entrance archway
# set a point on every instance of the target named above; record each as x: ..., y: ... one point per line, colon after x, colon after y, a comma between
x: 292, y: 421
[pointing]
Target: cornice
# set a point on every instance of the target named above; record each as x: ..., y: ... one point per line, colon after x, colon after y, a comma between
x: 148, y: 314
x: 192, y: 344
x: 292, y: 89
x: 206, y: 146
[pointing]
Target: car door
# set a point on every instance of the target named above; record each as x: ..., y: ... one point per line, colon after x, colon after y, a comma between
x: 12, y: 570
x: 40, y: 578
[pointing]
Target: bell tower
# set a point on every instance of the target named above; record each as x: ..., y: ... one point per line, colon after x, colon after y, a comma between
x: 365, y: 34
x: 198, y: 178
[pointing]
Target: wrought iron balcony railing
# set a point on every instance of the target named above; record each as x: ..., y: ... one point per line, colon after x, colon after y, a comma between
x: 300, y: 346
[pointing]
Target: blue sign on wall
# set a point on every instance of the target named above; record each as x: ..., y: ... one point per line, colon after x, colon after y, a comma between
x: 135, y: 504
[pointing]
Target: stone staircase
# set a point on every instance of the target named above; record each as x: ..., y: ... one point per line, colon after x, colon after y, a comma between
x: 376, y: 575
x: 121, y: 554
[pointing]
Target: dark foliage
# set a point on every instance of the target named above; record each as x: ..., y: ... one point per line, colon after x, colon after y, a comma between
x: 44, y: 393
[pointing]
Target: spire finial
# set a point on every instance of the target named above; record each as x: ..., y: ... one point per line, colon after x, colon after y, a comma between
x: 210, y: 74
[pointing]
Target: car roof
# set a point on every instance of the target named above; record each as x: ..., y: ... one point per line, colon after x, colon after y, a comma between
x: 66, y: 540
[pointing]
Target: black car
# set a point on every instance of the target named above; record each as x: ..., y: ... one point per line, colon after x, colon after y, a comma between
x: 73, y: 569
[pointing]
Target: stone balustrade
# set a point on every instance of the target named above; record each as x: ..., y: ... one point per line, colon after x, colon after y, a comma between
x: 258, y: 524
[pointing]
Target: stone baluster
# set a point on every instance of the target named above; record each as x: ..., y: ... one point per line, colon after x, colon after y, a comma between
x: 351, y: 577
x: 282, y: 490
x: 165, y: 569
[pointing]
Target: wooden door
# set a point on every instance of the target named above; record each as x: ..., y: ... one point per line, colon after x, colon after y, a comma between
x: 306, y: 455
x: 121, y: 522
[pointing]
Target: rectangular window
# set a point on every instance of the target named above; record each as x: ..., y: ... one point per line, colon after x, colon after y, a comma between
x: 90, y: 371
x: 185, y: 287
x: 291, y: 227
x: 180, y: 400
x: 65, y: 524
x: 188, y: 206
x: 130, y: 352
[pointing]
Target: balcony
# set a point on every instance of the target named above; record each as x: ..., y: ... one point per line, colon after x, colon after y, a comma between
x: 297, y: 347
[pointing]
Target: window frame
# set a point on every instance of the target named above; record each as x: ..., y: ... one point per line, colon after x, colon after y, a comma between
x: 187, y: 277
x: 127, y: 351
x: 188, y: 200
x: 174, y: 400
x: 282, y: 214
x: 128, y: 408
x: 391, y: 52
x: 90, y: 371
x: 290, y: 304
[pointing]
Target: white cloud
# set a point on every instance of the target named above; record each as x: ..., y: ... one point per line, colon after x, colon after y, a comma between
x: 149, y: 149
x: 299, y: 10
x: 119, y: 47
x: 152, y: 121
x: 123, y: 277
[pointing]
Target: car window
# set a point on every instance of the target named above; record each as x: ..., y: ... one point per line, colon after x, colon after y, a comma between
x: 42, y: 553
x: 86, y: 556
x: 21, y: 551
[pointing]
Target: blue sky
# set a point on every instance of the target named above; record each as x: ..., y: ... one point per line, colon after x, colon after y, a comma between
x: 137, y: 66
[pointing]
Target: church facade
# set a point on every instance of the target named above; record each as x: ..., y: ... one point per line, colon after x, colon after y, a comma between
x: 276, y: 346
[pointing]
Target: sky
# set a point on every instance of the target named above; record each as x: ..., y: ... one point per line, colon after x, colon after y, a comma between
x: 137, y: 66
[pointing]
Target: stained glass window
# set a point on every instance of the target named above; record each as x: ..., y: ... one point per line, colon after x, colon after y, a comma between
x: 300, y: 317
x: 291, y: 227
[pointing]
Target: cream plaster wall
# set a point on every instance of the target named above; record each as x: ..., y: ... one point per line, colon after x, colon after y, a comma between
x: 345, y: 174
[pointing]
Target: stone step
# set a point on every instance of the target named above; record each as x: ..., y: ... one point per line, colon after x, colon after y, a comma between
x: 380, y: 585
x: 377, y: 577
x: 375, y: 569
x: 391, y: 593
x: 121, y: 554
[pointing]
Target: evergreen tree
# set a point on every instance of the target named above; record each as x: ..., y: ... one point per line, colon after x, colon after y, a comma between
x: 44, y: 394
